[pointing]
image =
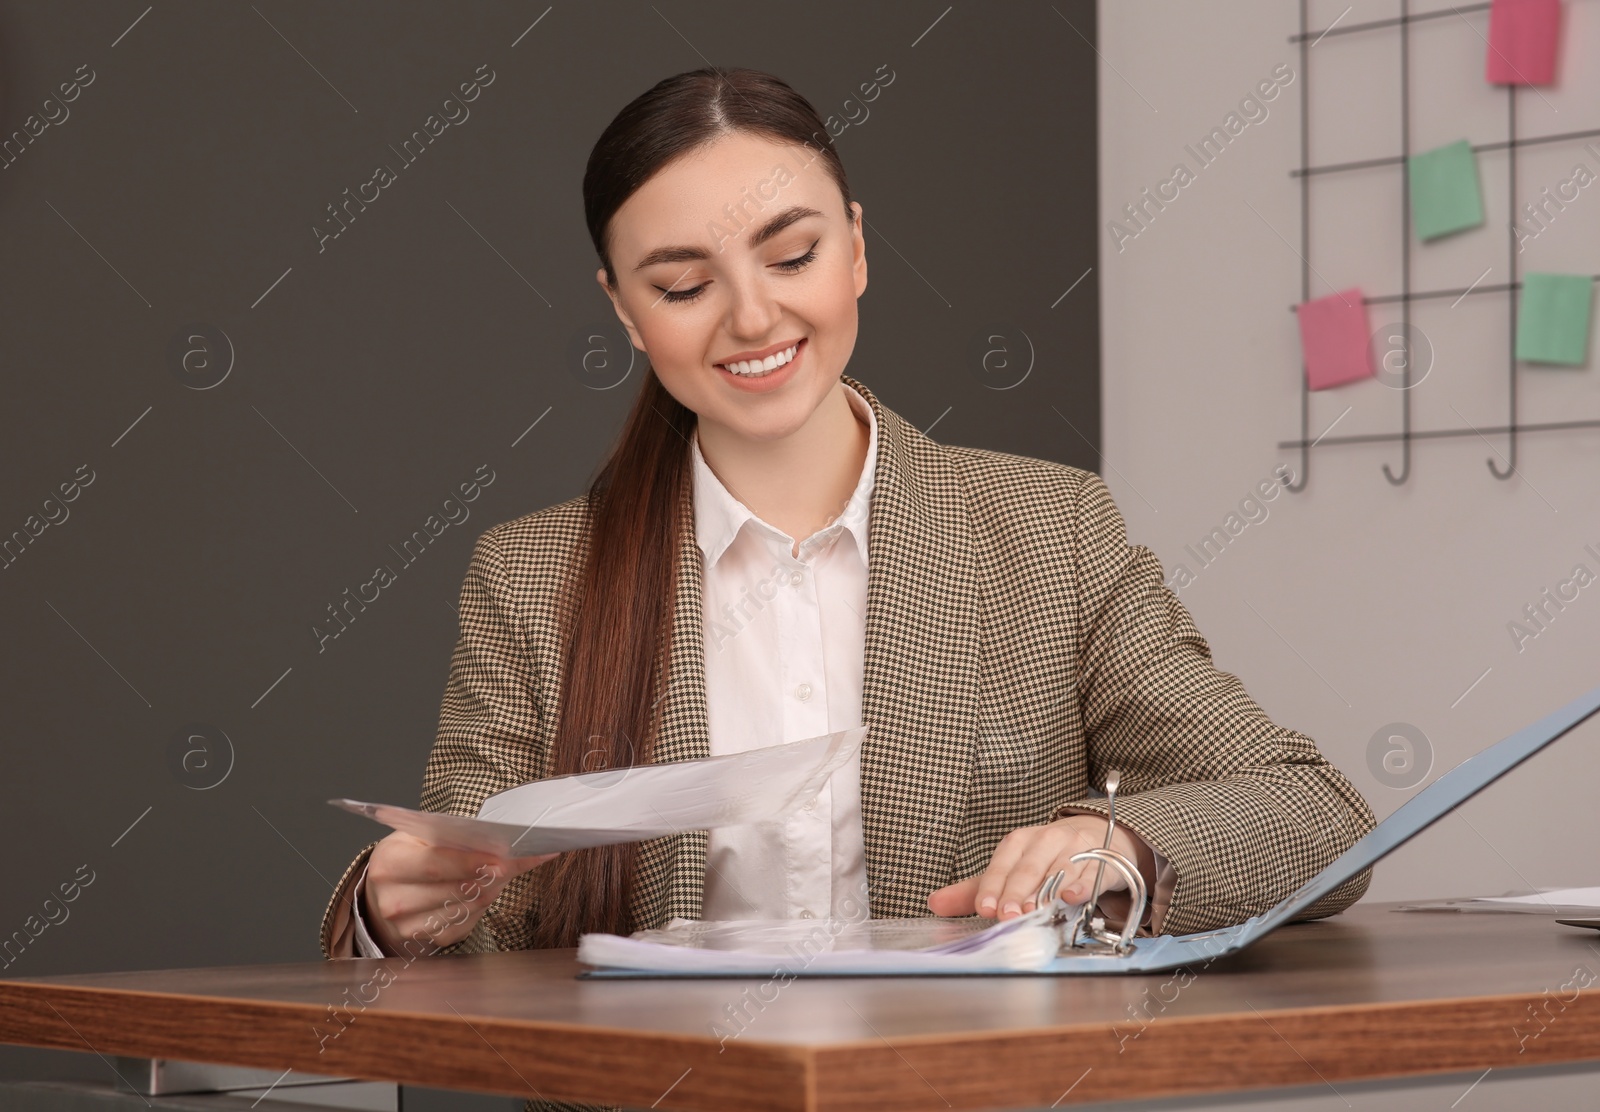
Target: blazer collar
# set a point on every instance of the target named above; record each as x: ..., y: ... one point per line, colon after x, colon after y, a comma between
x: 719, y: 515
x: 919, y: 692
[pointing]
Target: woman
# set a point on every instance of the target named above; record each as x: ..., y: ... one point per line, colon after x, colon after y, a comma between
x: 769, y: 553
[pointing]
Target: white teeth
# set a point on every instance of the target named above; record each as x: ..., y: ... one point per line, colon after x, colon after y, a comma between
x: 762, y: 366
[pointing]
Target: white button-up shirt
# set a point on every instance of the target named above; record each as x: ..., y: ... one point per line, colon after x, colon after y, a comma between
x: 784, y: 641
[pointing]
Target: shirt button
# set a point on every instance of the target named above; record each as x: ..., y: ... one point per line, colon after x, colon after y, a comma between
x: 811, y: 804
x: 795, y: 579
x: 803, y: 692
x: 807, y: 915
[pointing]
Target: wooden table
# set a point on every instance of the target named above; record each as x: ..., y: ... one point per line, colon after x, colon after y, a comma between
x: 1371, y: 993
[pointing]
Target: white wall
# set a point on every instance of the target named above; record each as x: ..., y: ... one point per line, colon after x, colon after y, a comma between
x: 1356, y: 603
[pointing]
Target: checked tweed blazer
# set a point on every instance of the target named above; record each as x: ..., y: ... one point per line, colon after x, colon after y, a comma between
x: 1017, y: 647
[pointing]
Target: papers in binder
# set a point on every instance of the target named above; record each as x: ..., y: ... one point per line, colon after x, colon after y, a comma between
x: 757, y: 947
x: 633, y: 804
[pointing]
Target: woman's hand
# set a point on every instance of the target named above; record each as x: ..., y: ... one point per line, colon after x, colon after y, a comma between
x: 411, y: 884
x: 1025, y: 857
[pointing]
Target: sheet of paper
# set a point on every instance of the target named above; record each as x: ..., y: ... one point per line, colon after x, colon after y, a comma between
x: 1335, y: 340
x: 1444, y: 190
x: 1553, y: 318
x: 1559, y: 897
x: 1556, y: 901
x: 633, y: 804
x: 1523, y: 37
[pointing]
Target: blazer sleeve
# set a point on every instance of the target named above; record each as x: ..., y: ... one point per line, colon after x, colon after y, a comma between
x: 1245, y: 810
x: 338, y: 933
x: 484, y: 744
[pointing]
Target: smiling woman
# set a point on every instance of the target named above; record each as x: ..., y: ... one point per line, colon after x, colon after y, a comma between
x: 769, y: 553
x: 745, y: 297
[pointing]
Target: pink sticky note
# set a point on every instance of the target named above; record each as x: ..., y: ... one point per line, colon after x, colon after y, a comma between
x: 1335, y: 339
x: 1523, y: 35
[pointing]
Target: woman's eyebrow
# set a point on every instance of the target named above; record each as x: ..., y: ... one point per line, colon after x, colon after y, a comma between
x: 694, y: 254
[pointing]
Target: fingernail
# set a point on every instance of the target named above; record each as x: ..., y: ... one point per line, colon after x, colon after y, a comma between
x: 986, y: 905
x: 1010, y: 908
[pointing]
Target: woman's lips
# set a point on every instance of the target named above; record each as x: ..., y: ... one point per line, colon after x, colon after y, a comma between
x: 763, y: 355
x: 762, y: 383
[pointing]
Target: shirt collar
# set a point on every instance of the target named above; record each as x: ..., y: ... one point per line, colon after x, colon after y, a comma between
x: 718, y: 515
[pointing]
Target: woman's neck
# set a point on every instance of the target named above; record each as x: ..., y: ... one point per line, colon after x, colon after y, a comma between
x: 826, y: 455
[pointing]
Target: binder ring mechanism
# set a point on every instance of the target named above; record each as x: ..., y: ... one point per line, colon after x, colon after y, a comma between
x: 1084, y: 932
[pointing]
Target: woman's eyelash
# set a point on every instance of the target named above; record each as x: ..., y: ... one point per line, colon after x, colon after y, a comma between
x: 680, y: 297
x: 802, y: 261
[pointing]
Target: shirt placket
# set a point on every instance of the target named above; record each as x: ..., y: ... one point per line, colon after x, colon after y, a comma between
x: 804, y: 698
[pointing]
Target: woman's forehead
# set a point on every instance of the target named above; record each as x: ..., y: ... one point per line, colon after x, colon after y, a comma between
x: 738, y: 179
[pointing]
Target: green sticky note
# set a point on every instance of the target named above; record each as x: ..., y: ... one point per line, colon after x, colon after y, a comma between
x: 1444, y: 190
x: 1553, y: 318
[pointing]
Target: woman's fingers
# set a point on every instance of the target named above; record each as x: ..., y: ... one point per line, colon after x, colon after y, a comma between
x: 410, y: 860
x: 407, y: 907
x: 1022, y: 861
x: 418, y: 890
x: 1045, y: 856
x: 955, y: 899
x: 439, y: 913
x: 405, y: 858
x: 992, y: 881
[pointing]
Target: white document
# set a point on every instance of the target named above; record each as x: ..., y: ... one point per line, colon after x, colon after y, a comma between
x: 1549, y: 901
x: 1560, y: 897
x: 633, y: 804
x: 767, y: 946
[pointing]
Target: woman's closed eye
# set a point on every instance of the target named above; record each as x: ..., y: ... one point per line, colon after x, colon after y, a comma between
x: 791, y: 266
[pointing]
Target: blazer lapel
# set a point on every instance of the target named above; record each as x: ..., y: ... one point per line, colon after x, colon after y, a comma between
x: 920, y: 688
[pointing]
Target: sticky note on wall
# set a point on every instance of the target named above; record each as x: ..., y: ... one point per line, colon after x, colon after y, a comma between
x: 1523, y: 37
x: 1444, y: 190
x: 1335, y: 339
x: 1553, y: 318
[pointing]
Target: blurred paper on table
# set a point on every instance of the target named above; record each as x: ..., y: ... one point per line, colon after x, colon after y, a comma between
x: 633, y: 804
x: 1557, y: 901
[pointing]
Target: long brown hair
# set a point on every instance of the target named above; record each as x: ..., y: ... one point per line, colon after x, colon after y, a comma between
x: 619, y: 611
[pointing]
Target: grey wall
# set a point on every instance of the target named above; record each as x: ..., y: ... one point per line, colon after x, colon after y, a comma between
x: 372, y: 374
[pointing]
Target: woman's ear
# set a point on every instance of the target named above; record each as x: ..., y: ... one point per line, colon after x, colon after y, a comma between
x: 622, y: 315
x: 858, y: 249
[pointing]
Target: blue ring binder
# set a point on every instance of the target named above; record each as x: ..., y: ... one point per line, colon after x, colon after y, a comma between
x: 1165, y: 952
